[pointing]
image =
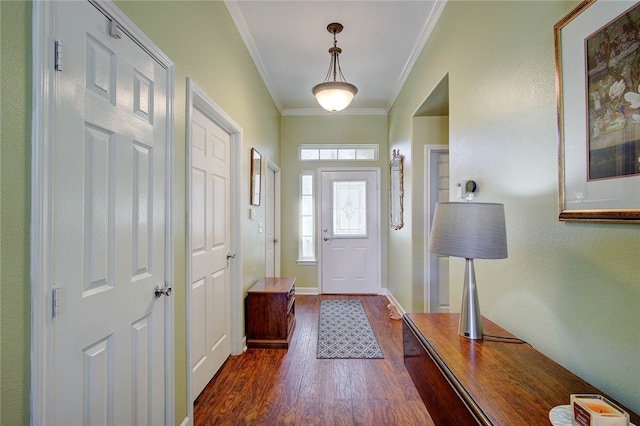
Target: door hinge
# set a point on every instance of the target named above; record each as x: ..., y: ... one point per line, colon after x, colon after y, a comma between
x: 114, y: 31
x: 56, y: 302
x: 58, y: 56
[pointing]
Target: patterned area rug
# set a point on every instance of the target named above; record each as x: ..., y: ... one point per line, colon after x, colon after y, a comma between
x: 344, y: 331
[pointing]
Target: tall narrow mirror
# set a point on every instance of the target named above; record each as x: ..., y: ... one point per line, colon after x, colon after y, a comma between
x: 396, y: 190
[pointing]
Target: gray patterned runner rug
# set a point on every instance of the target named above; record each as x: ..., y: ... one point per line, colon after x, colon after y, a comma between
x: 344, y: 331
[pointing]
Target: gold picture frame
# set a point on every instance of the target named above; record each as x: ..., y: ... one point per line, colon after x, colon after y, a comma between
x: 396, y: 190
x: 256, y: 177
x: 598, y: 98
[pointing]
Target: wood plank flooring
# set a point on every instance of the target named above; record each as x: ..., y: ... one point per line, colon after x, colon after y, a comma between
x: 292, y: 387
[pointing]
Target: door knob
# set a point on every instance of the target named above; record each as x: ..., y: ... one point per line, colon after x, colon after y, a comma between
x: 326, y: 238
x: 163, y: 290
x: 231, y: 256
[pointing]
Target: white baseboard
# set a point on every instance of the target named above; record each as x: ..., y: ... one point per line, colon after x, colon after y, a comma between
x: 313, y: 291
x: 186, y: 421
x: 308, y: 290
x: 395, y: 302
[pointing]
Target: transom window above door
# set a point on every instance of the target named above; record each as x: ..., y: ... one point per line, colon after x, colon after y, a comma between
x: 339, y: 152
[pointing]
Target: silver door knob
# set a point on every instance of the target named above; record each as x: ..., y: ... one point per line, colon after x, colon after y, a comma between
x: 163, y: 290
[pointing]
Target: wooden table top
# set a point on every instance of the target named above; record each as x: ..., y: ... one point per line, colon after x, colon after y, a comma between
x: 510, y: 383
x: 273, y: 285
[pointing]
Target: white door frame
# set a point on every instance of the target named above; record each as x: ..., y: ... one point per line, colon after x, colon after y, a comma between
x: 273, y: 168
x: 43, y: 74
x: 430, y: 151
x: 197, y: 97
x: 319, y: 221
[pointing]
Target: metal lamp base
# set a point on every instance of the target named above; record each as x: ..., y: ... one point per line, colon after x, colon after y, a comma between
x: 470, y: 325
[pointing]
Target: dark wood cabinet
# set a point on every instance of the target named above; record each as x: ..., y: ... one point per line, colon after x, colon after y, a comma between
x: 489, y: 382
x: 270, y: 312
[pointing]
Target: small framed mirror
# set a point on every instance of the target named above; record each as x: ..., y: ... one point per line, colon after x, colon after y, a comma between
x: 396, y: 189
x: 256, y: 167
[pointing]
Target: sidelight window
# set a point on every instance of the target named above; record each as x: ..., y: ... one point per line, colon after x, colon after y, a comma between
x: 307, y: 241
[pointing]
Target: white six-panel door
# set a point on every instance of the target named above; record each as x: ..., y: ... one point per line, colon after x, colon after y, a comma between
x: 109, y: 225
x: 350, y: 231
x: 210, y: 244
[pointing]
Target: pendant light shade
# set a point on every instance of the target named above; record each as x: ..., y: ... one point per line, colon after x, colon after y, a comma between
x: 334, y: 93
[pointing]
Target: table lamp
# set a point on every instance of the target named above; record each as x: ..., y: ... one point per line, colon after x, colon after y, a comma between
x: 473, y: 231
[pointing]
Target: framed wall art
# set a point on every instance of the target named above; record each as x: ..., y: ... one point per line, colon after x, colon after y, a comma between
x: 597, y: 49
x: 256, y: 182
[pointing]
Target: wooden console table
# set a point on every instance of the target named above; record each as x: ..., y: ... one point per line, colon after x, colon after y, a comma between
x: 487, y: 382
x: 270, y: 313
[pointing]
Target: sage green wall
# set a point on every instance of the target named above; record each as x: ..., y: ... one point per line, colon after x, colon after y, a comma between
x: 571, y: 290
x: 15, y: 170
x: 201, y: 39
x: 324, y: 129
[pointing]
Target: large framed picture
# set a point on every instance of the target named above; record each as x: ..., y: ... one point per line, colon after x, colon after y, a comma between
x: 598, y: 93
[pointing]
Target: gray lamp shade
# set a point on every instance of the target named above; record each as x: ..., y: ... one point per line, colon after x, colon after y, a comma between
x: 469, y: 230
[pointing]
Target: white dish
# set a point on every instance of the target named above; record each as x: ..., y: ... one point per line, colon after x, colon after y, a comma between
x: 561, y: 416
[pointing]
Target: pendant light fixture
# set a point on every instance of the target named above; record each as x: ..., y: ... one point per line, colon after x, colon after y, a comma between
x: 334, y: 95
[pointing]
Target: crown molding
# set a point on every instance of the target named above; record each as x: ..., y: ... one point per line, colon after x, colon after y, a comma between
x: 233, y: 8
x: 320, y: 111
x: 417, y: 49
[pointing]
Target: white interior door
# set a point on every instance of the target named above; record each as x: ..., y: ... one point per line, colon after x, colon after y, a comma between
x: 436, y: 265
x: 110, y: 225
x: 210, y: 305
x: 350, y: 231
x: 272, y: 221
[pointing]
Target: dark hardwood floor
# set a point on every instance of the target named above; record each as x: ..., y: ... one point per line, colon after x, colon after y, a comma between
x: 292, y: 387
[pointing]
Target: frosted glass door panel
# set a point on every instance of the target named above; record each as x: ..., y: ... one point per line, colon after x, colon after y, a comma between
x: 350, y: 208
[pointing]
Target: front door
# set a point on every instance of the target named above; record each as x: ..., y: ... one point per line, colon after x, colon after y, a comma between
x: 210, y: 234
x: 109, y: 225
x: 350, y: 231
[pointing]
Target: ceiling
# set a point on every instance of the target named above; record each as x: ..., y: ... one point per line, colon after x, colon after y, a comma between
x: 289, y: 42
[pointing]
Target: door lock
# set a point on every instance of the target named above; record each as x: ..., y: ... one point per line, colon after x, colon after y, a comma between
x: 163, y: 290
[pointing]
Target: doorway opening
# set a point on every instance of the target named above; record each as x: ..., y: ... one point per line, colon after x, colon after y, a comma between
x: 431, y: 130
